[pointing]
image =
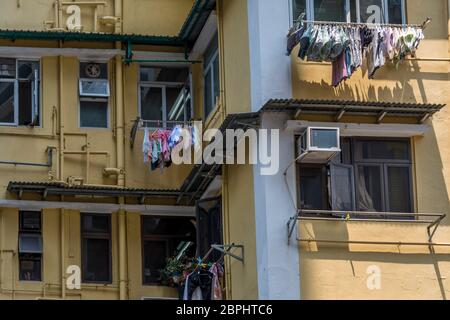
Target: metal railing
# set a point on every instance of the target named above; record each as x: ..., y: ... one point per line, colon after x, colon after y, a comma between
x: 433, y: 220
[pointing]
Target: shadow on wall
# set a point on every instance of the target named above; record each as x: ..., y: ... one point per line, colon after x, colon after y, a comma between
x: 432, y: 193
x: 344, y: 267
x: 336, y: 273
x: 407, y: 83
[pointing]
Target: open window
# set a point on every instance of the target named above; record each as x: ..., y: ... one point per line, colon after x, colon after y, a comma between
x: 161, y: 237
x: 94, y: 95
x: 211, y: 76
x: 19, y: 92
x: 165, y: 95
x: 369, y: 175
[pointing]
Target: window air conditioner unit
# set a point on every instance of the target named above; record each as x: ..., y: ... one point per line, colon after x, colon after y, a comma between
x: 94, y: 88
x: 318, y: 145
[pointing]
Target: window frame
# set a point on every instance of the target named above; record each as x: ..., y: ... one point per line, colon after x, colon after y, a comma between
x: 356, y: 161
x: 95, y: 97
x: 210, y: 68
x: 323, y: 183
x: 163, y: 85
x: 36, y: 105
x: 95, y: 235
x: 16, y: 102
x: 165, y: 238
x: 30, y: 256
x: 383, y: 164
x: 310, y: 11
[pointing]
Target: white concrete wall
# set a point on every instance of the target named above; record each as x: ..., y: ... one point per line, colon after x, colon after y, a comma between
x: 278, y: 271
x: 270, y: 68
x: 270, y: 74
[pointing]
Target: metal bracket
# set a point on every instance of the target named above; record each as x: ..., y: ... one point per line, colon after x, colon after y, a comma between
x: 225, y: 249
x: 128, y: 52
x: 133, y: 131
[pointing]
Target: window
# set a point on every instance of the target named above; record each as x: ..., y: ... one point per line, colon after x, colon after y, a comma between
x: 371, y: 175
x: 30, y: 246
x: 313, y: 187
x: 383, y: 175
x: 211, y: 76
x: 94, y: 95
x: 365, y: 11
x: 165, y: 95
x: 161, y: 237
x: 19, y: 92
x: 96, y: 248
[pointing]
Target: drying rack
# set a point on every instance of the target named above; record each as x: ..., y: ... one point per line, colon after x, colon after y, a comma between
x: 360, y: 24
x: 432, y: 220
x: 226, y: 250
x: 139, y: 123
x: 301, y: 21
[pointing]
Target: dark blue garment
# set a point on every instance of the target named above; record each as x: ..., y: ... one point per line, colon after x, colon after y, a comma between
x: 348, y: 61
x: 294, y: 39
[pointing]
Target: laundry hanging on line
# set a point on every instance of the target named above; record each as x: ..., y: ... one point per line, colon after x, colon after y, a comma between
x: 157, y: 146
x: 347, y: 47
x: 204, y: 284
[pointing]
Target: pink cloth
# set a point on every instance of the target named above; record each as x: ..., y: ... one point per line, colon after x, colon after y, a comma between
x: 339, y: 70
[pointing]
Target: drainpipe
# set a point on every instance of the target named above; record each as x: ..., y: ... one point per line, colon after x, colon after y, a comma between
x: 225, y: 196
x: 118, y: 6
x: 120, y: 140
x: 61, y: 120
x: 122, y: 255
x: 63, y: 269
x: 1, y: 251
x: 120, y: 120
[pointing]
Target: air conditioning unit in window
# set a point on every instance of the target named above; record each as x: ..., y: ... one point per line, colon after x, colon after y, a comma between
x: 94, y: 88
x: 318, y: 145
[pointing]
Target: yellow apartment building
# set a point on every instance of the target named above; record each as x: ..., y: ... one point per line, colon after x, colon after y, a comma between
x: 81, y: 82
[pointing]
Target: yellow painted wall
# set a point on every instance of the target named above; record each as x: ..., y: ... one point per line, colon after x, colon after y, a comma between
x: 158, y: 17
x: 154, y: 17
x: 50, y: 287
x: 35, y: 141
x: 239, y: 209
x: 340, y: 271
x: 29, y: 145
x: 335, y: 271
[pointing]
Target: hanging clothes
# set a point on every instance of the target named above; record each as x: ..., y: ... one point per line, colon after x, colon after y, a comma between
x: 218, y: 272
x: 348, y: 47
x: 198, y: 286
x: 157, y: 146
x: 146, y: 146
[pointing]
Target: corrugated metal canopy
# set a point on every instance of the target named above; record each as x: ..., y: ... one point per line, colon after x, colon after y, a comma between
x: 59, y: 189
x: 352, y: 107
x: 91, y: 36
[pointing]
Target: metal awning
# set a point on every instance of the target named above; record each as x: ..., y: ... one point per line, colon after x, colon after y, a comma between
x: 203, y: 174
x: 91, y: 36
x: 192, y: 189
x: 46, y: 189
x: 186, y: 37
x: 339, y: 108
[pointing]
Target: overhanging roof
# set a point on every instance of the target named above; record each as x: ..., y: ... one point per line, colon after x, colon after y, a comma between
x: 91, y: 36
x: 203, y: 174
x: 62, y: 189
x: 343, y: 107
x: 187, y: 35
